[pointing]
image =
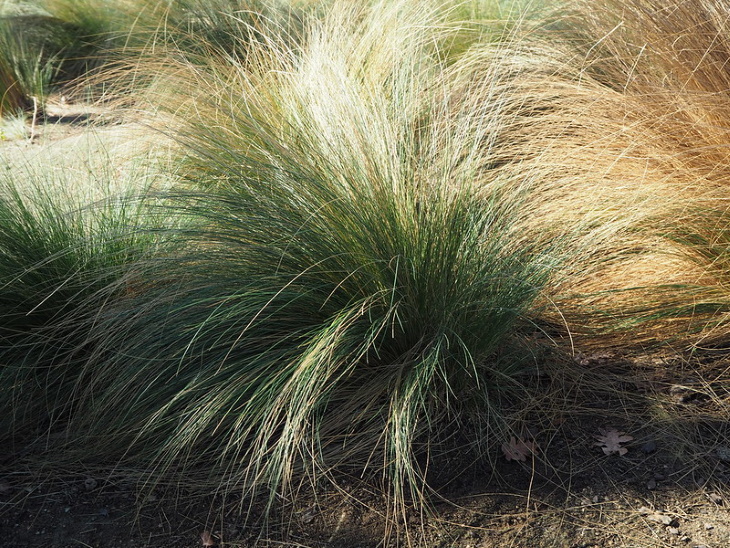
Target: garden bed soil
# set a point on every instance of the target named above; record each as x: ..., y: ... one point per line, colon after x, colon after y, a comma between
x: 568, y: 494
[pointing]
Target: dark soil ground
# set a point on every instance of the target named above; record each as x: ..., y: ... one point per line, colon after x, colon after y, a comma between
x: 671, y: 487
x: 641, y: 500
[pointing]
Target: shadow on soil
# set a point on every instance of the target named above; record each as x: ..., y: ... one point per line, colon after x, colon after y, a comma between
x: 670, y: 488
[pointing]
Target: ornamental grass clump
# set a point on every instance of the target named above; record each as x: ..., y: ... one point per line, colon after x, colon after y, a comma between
x: 65, y: 241
x: 667, y: 62
x: 41, y: 52
x: 358, y: 279
x: 596, y: 170
x: 225, y: 27
x: 477, y: 22
x: 29, y: 62
x: 116, y: 32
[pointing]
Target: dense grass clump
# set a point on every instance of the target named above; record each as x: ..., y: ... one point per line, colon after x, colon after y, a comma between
x: 376, y: 212
x: 358, y: 273
x: 666, y: 63
x: 31, y: 60
x: 65, y: 242
x: 118, y: 32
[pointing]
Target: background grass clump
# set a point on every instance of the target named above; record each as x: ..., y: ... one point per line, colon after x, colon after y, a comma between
x: 662, y: 64
x: 69, y: 228
x: 36, y: 58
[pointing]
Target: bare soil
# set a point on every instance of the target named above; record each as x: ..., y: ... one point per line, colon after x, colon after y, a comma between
x: 671, y: 488
x: 636, y: 500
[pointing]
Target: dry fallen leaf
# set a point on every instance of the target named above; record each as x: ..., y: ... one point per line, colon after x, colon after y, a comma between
x: 518, y: 449
x: 207, y: 538
x: 611, y: 439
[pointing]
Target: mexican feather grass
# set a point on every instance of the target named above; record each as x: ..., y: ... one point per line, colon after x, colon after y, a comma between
x: 667, y: 63
x: 66, y: 239
x: 355, y: 276
x: 373, y: 221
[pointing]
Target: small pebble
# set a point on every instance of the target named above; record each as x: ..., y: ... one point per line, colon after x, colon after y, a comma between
x: 709, y: 526
x: 651, y: 484
x: 723, y: 453
x: 207, y: 538
x: 309, y: 514
x: 649, y: 447
x: 672, y: 530
x: 660, y: 518
x: 715, y: 498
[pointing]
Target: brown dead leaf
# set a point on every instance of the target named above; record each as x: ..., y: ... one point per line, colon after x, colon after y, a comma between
x: 518, y: 449
x: 611, y: 439
x: 207, y: 538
